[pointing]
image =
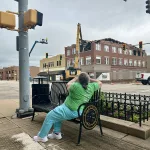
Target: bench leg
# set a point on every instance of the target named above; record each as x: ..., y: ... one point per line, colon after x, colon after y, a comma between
x: 100, y: 125
x: 33, y: 115
x: 80, y: 131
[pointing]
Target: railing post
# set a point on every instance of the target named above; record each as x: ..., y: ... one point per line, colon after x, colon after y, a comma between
x: 106, y: 107
x: 147, y: 110
x: 112, y: 106
x: 118, y: 109
x: 125, y: 108
x: 140, y: 120
x: 144, y: 112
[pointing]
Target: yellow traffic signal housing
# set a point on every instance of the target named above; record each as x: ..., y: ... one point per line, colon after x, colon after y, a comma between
x: 124, y: 47
x: 32, y: 18
x: 7, y: 20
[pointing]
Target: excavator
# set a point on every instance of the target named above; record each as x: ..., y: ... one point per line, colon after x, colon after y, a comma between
x: 75, y: 70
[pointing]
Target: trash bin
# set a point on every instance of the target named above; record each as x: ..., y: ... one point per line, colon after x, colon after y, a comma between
x: 40, y: 87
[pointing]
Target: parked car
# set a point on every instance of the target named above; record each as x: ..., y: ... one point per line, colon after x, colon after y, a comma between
x: 144, y: 78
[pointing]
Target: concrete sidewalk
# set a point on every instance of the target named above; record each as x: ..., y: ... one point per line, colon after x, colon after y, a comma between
x: 16, y: 134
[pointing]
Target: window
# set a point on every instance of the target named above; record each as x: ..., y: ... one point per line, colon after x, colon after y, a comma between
x: 114, y: 61
x: 68, y: 52
x: 106, y: 48
x: 72, y: 61
x: 82, y: 61
x: 88, y: 60
x: 60, y: 63
x: 139, y: 63
x: 44, y: 65
x: 134, y: 52
x: 106, y: 60
x: 114, y: 49
x: 143, y: 63
x: 120, y: 61
x: 139, y: 53
x: 98, y: 46
x: 143, y: 54
x: 126, y: 62
x: 98, y: 60
x: 126, y: 52
x: 120, y: 50
x: 68, y: 63
x: 73, y: 51
x: 49, y: 64
x: 130, y: 52
x: 130, y: 62
x: 135, y: 63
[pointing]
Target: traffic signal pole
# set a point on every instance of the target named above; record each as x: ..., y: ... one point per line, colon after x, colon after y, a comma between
x: 24, y: 84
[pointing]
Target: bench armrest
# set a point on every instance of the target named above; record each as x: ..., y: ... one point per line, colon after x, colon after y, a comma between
x: 96, y: 103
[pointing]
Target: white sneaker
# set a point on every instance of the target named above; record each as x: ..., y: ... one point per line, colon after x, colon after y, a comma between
x: 39, y: 139
x: 54, y: 136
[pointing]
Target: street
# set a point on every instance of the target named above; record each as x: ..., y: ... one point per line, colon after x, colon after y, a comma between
x: 10, y: 89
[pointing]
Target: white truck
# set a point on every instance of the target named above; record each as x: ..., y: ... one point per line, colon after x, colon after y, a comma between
x: 144, y: 78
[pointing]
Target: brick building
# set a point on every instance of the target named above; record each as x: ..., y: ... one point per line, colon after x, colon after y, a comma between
x: 107, y: 56
x: 12, y: 72
x: 148, y: 63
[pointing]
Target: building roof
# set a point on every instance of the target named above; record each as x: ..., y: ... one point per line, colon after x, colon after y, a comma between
x: 86, y: 43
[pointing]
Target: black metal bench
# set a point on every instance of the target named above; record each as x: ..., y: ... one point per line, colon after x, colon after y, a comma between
x: 90, y: 116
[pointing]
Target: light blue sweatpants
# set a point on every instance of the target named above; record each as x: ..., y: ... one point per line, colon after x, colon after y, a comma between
x: 55, y: 117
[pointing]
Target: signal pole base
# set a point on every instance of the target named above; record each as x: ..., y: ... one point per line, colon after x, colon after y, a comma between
x: 20, y: 113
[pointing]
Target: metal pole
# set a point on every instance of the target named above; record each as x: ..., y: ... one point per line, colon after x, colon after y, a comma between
x: 24, y: 84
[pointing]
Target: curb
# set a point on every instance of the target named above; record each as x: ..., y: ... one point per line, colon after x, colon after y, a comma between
x: 126, y: 127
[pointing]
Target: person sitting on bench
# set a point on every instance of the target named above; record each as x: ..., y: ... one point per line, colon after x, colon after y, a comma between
x: 80, y: 89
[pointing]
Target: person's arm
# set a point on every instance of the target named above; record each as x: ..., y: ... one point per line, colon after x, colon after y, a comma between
x: 95, y: 80
x: 70, y: 82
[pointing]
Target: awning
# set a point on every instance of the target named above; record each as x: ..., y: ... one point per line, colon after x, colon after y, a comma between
x: 42, y: 74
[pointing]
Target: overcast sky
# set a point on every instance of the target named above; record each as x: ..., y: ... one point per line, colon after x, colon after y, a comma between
x: 123, y: 21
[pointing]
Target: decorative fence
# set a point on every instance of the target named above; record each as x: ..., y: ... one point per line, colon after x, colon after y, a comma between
x: 129, y: 107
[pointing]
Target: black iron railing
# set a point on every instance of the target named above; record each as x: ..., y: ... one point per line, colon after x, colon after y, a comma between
x: 129, y: 107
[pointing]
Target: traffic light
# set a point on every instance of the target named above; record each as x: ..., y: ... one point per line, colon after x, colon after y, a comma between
x: 148, y: 6
x: 46, y: 55
x: 7, y: 20
x: 60, y: 57
x: 32, y: 18
x: 140, y: 44
x: 124, y: 47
